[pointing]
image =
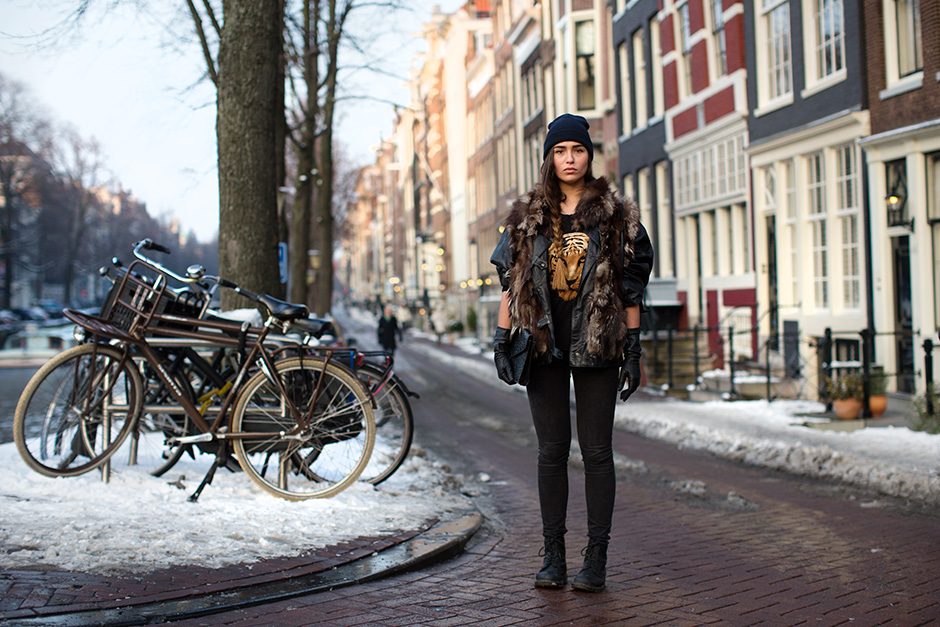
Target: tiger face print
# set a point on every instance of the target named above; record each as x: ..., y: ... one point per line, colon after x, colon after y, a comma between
x: 567, y: 265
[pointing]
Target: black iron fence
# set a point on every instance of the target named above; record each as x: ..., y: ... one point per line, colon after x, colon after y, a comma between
x: 681, y: 357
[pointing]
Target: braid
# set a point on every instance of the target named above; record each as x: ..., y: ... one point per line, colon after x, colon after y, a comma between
x: 552, y: 192
x: 557, y: 234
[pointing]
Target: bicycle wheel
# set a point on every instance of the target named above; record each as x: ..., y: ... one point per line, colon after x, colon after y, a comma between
x: 319, y: 460
x: 153, y: 445
x: 77, y: 410
x: 394, y: 424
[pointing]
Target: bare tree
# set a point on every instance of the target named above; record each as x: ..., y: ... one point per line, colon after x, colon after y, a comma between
x: 81, y: 166
x: 25, y: 139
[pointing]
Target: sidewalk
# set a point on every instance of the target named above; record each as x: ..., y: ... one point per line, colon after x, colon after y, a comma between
x: 34, y: 597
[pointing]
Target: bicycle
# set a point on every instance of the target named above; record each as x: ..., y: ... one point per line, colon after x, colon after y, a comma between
x: 300, y: 427
x: 394, y: 418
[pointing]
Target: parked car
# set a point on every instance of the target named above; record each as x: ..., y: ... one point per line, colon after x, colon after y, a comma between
x: 52, y: 308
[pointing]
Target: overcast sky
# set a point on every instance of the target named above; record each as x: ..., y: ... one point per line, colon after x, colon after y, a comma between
x: 129, y: 79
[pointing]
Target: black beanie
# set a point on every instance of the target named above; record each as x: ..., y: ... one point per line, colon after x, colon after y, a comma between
x: 568, y: 128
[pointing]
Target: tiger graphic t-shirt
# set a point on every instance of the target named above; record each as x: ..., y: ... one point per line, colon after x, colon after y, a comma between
x: 564, y: 275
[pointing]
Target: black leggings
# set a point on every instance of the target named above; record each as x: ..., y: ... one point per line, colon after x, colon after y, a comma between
x: 595, y: 395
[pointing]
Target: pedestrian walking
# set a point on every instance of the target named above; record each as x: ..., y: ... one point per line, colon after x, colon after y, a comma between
x: 573, y: 262
x: 389, y: 330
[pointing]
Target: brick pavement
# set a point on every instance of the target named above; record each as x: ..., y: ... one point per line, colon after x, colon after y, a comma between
x: 26, y: 593
x: 777, y: 551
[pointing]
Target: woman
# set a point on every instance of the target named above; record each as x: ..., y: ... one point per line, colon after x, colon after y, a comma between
x: 573, y: 262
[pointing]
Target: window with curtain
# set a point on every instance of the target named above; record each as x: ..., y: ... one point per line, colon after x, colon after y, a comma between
x: 910, y: 56
x: 584, y: 63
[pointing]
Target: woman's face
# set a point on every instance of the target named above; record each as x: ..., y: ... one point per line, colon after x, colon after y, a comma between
x: 571, y: 162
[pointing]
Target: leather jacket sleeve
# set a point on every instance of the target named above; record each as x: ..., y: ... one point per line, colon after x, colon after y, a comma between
x: 502, y: 259
x: 636, y: 274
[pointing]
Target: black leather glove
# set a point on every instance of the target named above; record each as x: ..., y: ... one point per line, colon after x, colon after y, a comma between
x: 501, y: 355
x: 630, y: 370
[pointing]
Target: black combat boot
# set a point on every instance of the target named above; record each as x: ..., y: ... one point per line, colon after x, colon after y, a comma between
x: 554, y: 573
x: 593, y: 574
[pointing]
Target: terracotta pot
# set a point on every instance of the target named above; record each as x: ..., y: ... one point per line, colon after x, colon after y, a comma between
x: 847, y: 408
x: 877, y: 405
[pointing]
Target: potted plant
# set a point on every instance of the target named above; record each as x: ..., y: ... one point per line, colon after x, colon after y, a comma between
x: 846, y: 393
x: 877, y: 392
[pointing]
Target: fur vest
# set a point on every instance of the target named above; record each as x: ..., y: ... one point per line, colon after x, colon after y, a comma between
x: 599, y: 320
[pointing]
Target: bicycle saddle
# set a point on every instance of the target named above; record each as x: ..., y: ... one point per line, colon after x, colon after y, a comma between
x: 316, y: 327
x: 283, y: 310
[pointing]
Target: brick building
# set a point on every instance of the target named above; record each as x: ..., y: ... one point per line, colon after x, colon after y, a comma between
x: 902, y: 53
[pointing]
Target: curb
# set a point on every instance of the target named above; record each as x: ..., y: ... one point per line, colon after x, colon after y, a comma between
x: 442, y: 542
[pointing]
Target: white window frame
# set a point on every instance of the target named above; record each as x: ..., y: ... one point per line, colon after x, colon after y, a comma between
x: 626, y: 90
x: 664, y: 235
x: 640, y: 104
x: 848, y: 215
x: 773, y: 54
x: 817, y: 221
x: 896, y: 83
x: 656, y: 68
x: 815, y: 14
x: 684, y: 50
x: 719, y: 44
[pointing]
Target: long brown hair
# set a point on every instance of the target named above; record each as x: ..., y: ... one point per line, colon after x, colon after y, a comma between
x: 551, y: 189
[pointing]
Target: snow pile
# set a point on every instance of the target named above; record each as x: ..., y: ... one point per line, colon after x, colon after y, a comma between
x: 891, y: 460
x: 142, y: 522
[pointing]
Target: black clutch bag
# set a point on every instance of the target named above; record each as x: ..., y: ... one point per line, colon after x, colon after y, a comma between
x: 521, y: 346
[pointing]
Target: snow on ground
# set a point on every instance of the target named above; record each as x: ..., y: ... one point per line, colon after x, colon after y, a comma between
x: 138, y: 522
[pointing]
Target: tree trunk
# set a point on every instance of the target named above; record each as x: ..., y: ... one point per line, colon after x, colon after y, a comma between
x: 280, y: 141
x: 245, y: 125
x: 306, y: 158
x: 322, y: 301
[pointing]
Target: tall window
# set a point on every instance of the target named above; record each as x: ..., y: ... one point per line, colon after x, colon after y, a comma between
x: 907, y: 21
x: 830, y: 42
x: 793, y: 232
x: 849, y: 222
x: 639, y: 77
x: 626, y: 92
x: 643, y: 197
x: 718, y: 32
x: 663, y: 221
x: 685, y: 25
x: 584, y: 61
x: 656, y: 67
x: 628, y: 190
x: 776, y: 18
x: 933, y: 219
x: 817, y: 219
